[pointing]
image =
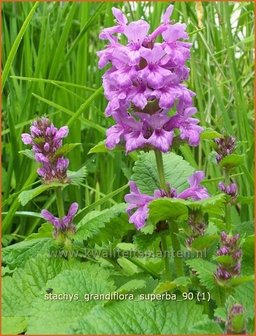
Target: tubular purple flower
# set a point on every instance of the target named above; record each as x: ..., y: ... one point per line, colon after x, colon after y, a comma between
x: 139, y: 202
x: 62, y: 224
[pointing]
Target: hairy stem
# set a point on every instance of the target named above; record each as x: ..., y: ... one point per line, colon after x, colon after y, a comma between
x: 60, y: 203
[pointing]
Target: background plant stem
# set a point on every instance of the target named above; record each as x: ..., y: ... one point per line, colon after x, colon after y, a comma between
x: 174, y: 230
x: 166, y: 256
x: 60, y: 203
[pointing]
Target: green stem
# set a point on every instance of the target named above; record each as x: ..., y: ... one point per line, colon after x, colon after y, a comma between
x: 160, y: 168
x: 143, y: 267
x: 166, y: 257
x: 60, y: 204
x: 173, y: 226
x: 178, y: 262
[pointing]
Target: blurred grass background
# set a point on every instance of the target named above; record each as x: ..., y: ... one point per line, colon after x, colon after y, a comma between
x: 50, y: 67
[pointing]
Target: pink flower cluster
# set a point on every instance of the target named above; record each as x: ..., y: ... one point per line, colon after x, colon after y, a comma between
x: 147, y: 99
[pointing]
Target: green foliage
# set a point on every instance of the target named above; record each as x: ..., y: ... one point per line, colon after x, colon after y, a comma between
x: 64, y: 84
x: 28, y: 195
x: 167, y: 208
x: 16, y: 255
x: 232, y: 161
x: 50, y: 316
x: 142, y: 317
x: 205, y: 272
x: 93, y: 222
x: 145, y: 172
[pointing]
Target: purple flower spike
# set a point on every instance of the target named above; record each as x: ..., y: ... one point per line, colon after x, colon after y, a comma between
x: 230, y: 189
x: 46, y: 141
x: 62, y: 224
x: 229, y: 247
x: 145, y: 81
x: 225, y: 146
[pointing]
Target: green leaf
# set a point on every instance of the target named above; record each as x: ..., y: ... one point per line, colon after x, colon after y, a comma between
x: 16, y: 255
x: 45, y: 231
x: 226, y: 260
x: 240, y: 280
x: 146, y: 176
x: 20, y: 290
x: 245, y: 199
x: 28, y: 195
x: 58, y: 316
x: 167, y: 208
x: 13, y: 325
x: 214, y: 205
x: 77, y: 177
x: 232, y: 160
x: 209, y: 134
x: 205, y: 271
x: 101, y: 148
x: 132, y: 286
x: 126, y: 247
x: 16, y: 44
x: 171, y: 285
x: 208, y: 328
x: 201, y: 243
x: 63, y: 150
x: 28, y: 153
x: 93, y: 222
x: 244, y: 294
x: 248, y: 255
x: 142, y: 317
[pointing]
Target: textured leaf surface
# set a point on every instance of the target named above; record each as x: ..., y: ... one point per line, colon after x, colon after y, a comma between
x: 176, y: 171
x: 205, y: 271
x: 20, y: 290
x: 232, y: 160
x: 130, y: 317
x: 16, y: 255
x: 94, y: 221
x: 167, y: 208
x: 28, y: 195
x: 77, y: 177
x: 57, y: 316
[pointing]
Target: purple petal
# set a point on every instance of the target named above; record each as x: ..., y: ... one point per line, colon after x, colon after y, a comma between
x: 26, y: 138
x: 72, y: 210
x: 139, y: 217
x: 62, y: 132
x: 196, y: 178
x: 119, y: 15
x: 166, y: 15
x: 161, y: 139
x: 175, y: 32
x: 50, y: 218
x: 136, y: 31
